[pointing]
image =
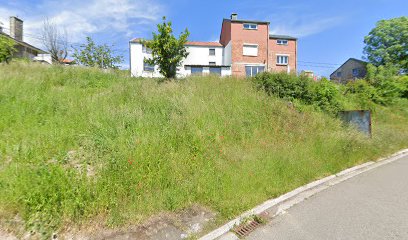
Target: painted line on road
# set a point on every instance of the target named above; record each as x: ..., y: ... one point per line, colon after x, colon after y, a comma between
x: 288, y: 200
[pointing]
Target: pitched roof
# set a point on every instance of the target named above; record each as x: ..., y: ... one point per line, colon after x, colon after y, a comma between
x: 204, y: 44
x: 274, y: 36
x: 136, y: 40
x: 193, y: 43
x: 23, y: 43
x: 350, y: 59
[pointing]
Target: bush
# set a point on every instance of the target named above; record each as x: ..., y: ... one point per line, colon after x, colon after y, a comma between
x: 324, y: 94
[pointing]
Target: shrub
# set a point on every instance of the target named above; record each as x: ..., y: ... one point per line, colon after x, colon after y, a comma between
x: 364, y: 93
x: 324, y: 94
x: 283, y: 85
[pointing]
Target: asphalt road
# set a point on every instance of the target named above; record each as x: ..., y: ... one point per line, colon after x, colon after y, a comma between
x: 372, y: 205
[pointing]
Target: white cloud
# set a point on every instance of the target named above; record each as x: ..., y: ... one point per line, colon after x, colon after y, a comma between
x: 302, y: 26
x: 82, y: 18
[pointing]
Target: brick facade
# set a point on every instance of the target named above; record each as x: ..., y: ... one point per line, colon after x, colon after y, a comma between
x: 233, y: 33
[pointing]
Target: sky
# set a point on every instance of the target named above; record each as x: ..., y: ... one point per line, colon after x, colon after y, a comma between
x: 329, y: 32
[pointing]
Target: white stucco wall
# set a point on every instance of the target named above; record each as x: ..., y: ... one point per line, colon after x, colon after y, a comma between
x: 198, y: 55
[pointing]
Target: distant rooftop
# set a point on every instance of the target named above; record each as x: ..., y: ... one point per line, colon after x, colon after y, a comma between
x: 204, y: 44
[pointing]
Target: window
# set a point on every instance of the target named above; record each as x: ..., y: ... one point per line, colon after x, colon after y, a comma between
x: 215, y: 70
x: 282, y: 42
x: 146, y: 49
x: 253, y: 70
x: 250, y: 26
x: 148, y: 67
x: 196, y: 70
x: 338, y: 74
x: 212, y: 63
x: 282, y: 60
x: 212, y: 52
x: 356, y: 72
x: 250, y: 50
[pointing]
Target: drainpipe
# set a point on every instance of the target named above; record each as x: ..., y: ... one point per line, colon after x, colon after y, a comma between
x: 267, y: 50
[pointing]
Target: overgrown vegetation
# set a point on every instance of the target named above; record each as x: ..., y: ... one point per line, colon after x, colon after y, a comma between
x: 78, y: 144
x: 382, y: 86
x: 94, y: 55
x: 7, y: 49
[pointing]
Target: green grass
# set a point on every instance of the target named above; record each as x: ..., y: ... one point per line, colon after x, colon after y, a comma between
x: 79, y: 144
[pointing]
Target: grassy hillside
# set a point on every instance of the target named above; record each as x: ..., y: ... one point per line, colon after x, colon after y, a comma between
x: 79, y: 144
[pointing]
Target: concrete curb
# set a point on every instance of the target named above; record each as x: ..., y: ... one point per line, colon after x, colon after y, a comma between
x: 338, y: 178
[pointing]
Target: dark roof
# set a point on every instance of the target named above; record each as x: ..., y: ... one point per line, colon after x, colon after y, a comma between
x: 245, y: 21
x: 274, y: 36
x: 24, y: 43
x: 350, y: 59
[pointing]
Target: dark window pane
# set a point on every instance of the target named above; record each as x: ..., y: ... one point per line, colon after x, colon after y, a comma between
x: 212, y: 52
x: 215, y: 70
x: 147, y: 67
x: 196, y: 70
x: 248, y: 71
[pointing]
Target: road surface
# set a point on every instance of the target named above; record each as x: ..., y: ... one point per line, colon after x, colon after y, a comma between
x: 372, y: 205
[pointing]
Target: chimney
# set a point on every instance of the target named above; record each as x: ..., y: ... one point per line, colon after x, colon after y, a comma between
x: 16, y: 28
x: 234, y: 16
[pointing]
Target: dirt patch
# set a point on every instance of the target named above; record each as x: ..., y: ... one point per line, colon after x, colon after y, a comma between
x: 187, y: 223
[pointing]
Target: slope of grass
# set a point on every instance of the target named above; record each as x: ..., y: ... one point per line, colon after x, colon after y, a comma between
x: 76, y: 144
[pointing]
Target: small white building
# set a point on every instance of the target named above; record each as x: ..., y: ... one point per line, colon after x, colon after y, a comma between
x: 203, y: 58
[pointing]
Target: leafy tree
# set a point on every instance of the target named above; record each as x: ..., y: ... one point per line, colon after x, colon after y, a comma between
x: 167, y: 51
x: 93, y: 55
x: 387, y: 43
x: 6, y: 49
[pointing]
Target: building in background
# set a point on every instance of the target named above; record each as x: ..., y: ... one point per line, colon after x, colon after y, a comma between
x: 24, y: 50
x: 351, y: 70
x: 245, y: 48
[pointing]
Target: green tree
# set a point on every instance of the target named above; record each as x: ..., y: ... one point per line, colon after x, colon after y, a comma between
x: 93, y: 55
x: 387, y: 43
x: 167, y: 51
x: 6, y: 49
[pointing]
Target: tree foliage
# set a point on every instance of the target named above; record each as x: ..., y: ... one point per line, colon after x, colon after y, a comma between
x: 167, y: 51
x: 93, y: 55
x: 387, y: 43
x: 6, y: 49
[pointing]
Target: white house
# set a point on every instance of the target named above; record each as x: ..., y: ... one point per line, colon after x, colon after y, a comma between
x: 203, y: 58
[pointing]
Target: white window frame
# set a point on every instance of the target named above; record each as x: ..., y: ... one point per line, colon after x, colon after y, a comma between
x: 257, y: 69
x: 209, y: 52
x: 250, y: 46
x: 251, y: 26
x: 280, y: 63
x: 284, y: 42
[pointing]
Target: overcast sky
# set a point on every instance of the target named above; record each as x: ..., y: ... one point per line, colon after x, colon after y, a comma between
x: 329, y: 31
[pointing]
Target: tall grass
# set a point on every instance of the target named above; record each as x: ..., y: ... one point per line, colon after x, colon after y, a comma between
x: 76, y: 144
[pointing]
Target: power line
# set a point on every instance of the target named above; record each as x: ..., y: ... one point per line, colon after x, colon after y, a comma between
x: 320, y: 63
